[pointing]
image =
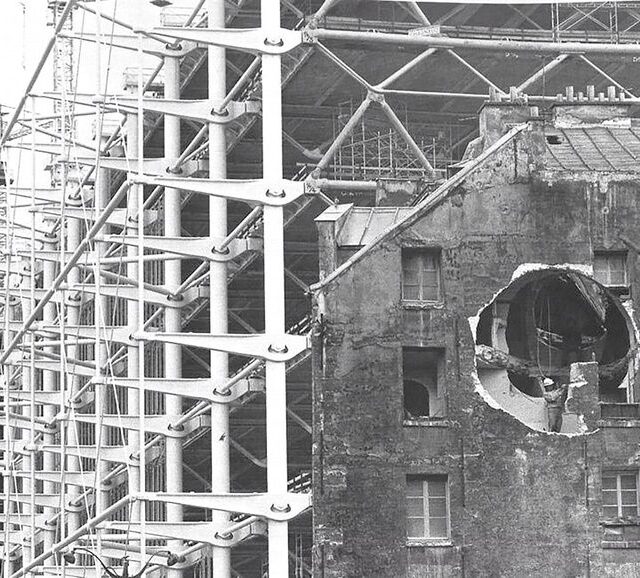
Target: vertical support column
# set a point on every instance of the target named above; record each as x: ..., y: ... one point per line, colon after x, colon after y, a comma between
x: 220, y: 478
x: 101, y: 309
x: 274, y: 304
x: 73, y: 237
x: 133, y: 394
x: 172, y: 317
x: 49, y: 382
x: 28, y: 460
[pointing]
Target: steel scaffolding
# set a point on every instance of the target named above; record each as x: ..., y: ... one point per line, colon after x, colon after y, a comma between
x: 102, y: 285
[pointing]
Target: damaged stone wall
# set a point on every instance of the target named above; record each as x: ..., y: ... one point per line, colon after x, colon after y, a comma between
x: 522, y: 502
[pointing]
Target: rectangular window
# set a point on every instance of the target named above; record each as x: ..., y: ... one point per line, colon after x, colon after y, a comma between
x: 610, y: 268
x: 421, y: 275
x: 428, y: 507
x: 620, y: 494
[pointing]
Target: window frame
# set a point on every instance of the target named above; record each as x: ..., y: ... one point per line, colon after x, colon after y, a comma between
x: 422, y: 253
x: 606, y: 256
x: 610, y: 473
x: 425, y: 480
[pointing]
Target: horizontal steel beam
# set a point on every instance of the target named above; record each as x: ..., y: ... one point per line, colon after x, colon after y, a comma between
x: 426, y: 41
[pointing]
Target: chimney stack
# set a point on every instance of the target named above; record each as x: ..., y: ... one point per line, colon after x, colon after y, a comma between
x: 503, y: 111
x: 594, y: 109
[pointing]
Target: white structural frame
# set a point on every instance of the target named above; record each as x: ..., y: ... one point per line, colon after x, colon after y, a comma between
x: 92, y: 370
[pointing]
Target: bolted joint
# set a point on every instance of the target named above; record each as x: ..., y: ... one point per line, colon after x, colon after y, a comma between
x: 275, y: 348
x: 277, y: 42
x: 217, y: 251
x: 221, y: 113
x: 374, y: 96
x: 175, y: 47
x: 280, y: 509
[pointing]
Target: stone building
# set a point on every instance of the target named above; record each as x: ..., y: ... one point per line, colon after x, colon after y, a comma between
x: 432, y: 449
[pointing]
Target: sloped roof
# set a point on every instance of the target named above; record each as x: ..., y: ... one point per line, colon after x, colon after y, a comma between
x: 593, y: 148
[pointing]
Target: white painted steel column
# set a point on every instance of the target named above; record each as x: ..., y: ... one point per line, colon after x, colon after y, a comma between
x: 220, y: 478
x: 172, y: 317
x: 101, y: 199
x: 73, y: 238
x: 274, y: 296
x: 133, y: 396
x: 49, y: 382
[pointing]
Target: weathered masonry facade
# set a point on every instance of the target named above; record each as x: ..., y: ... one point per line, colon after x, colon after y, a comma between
x: 432, y: 455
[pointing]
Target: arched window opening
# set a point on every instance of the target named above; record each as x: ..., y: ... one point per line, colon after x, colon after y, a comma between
x: 416, y: 399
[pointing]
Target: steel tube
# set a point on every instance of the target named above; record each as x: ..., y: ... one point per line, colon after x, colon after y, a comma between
x: 133, y: 395
x: 406, y: 68
x: 548, y: 67
x: 404, y: 133
x: 172, y: 317
x: 274, y: 293
x: 220, y: 475
x: 395, y: 40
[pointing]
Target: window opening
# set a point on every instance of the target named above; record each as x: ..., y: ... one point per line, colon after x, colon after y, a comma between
x: 620, y: 494
x: 423, y: 383
x: 416, y: 399
x: 428, y: 507
x: 421, y: 275
x: 610, y: 268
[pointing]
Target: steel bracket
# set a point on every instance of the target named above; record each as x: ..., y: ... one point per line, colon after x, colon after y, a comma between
x: 270, y: 347
x: 148, y: 45
x: 198, y: 388
x: 253, y: 40
x: 257, y: 191
x: 204, y: 532
x: 131, y: 293
x: 191, y: 247
x: 198, y: 110
x: 157, y: 424
x: 159, y: 166
x: 277, y: 507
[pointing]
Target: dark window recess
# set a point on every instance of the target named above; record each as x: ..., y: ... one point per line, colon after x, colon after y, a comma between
x: 423, y: 383
x: 428, y: 507
x: 620, y: 494
x: 346, y: 252
x: 421, y: 275
x: 554, y: 139
x: 416, y: 399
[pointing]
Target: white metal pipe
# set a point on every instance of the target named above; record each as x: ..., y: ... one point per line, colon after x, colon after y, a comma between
x: 548, y: 67
x: 101, y: 313
x: 274, y: 294
x: 220, y: 475
x: 506, y: 45
x: 406, y: 68
x: 133, y: 395
x: 172, y: 316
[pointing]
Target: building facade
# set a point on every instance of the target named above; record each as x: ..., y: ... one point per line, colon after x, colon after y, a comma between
x: 432, y: 449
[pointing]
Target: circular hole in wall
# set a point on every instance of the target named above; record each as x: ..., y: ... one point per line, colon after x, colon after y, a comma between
x: 541, y: 324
